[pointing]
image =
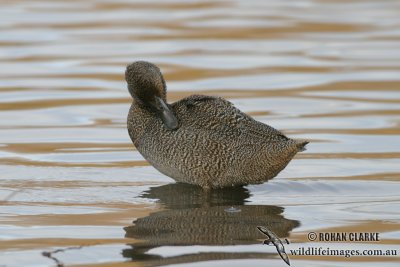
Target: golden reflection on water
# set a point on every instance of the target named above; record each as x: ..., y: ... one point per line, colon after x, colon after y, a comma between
x: 327, y: 71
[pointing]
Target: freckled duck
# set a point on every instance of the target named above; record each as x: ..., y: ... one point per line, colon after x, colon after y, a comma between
x: 201, y: 140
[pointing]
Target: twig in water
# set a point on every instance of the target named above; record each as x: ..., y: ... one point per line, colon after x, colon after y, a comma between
x: 49, y: 254
x: 11, y: 195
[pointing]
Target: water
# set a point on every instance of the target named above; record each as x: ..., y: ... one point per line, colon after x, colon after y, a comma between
x: 71, y: 180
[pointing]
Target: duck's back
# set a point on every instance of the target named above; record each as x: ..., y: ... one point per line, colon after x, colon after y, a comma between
x: 216, y: 145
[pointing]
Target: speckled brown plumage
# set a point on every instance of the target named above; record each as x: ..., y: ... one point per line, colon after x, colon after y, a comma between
x: 202, y: 140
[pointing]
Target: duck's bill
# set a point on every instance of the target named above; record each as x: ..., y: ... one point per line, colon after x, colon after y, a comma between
x: 168, y: 117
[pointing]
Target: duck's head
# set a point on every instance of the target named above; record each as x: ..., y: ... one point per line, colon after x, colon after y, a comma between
x: 147, y: 87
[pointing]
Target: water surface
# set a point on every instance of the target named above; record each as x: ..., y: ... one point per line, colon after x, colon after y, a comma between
x: 72, y: 183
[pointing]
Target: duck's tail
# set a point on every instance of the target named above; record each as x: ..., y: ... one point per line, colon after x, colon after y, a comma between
x: 301, y: 144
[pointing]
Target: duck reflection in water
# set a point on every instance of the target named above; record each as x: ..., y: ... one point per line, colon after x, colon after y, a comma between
x: 195, y: 217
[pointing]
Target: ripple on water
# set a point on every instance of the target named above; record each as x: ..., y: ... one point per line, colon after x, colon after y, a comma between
x: 311, y: 68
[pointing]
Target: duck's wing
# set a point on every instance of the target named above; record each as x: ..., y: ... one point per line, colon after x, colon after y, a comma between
x: 217, y: 114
